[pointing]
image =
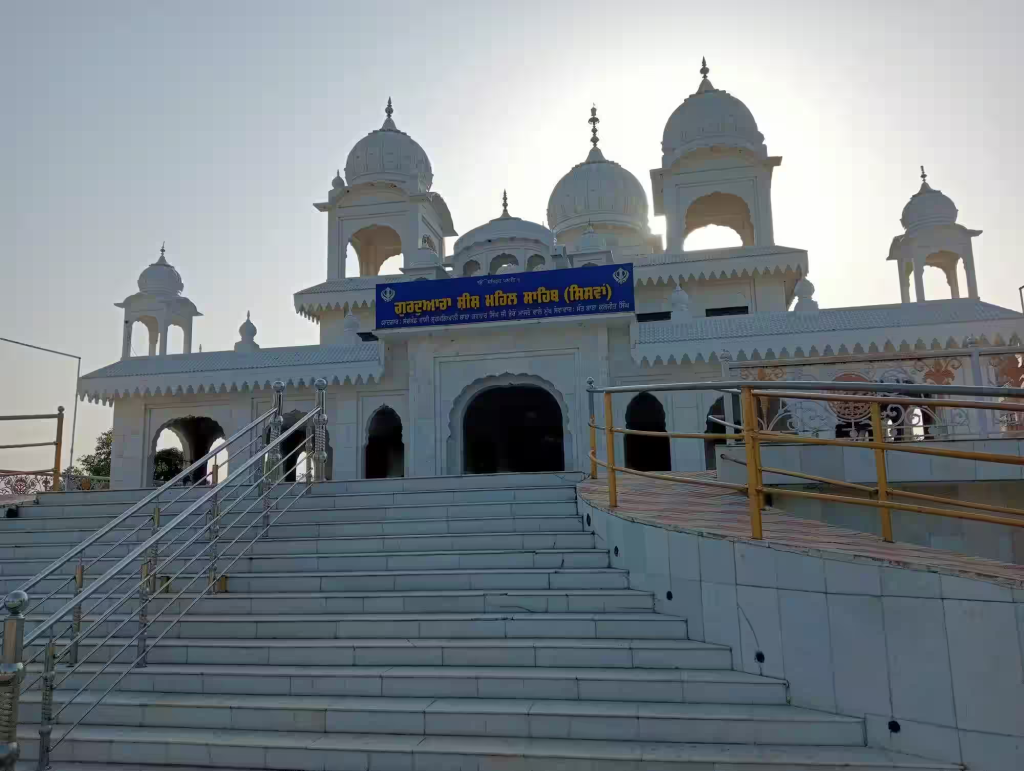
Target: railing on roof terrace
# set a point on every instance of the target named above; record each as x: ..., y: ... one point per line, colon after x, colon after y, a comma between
x: 28, y: 482
x: 883, y: 417
x: 154, y: 571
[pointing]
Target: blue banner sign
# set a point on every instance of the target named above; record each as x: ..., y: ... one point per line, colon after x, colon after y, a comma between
x: 506, y: 297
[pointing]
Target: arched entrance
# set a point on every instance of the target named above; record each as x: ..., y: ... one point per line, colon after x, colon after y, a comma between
x: 513, y: 428
x: 196, y: 435
x: 647, y: 453
x: 385, y: 451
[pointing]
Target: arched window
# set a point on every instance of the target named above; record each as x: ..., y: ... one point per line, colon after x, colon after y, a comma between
x: 535, y: 261
x: 724, y: 210
x: 471, y: 268
x: 647, y: 453
x: 503, y: 261
x: 385, y: 451
x: 375, y: 248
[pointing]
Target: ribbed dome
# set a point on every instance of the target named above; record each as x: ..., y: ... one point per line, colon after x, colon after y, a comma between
x: 505, y: 227
x: 389, y: 155
x: 597, y: 191
x: 928, y: 207
x: 710, y: 118
x: 161, y: 278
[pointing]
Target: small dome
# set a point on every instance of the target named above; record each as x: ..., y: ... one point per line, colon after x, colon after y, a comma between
x: 389, y: 155
x: 597, y: 190
x: 709, y: 118
x: 161, y: 278
x: 505, y: 227
x: 928, y: 207
x: 248, y: 330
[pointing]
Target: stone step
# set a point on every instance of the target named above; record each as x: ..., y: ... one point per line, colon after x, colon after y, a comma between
x: 467, y: 652
x: 291, y: 526
x: 50, y: 506
x: 487, y: 482
x: 624, y: 626
x: 353, y: 542
x: 298, y: 512
x: 626, y: 721
x: 438, y: 601
x: 105, y: 748
x: 441, y: 557
x: 393, y: 580
x: 695, y: 686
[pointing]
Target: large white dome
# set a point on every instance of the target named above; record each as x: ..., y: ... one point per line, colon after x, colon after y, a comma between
x: 928, y: 207
x: 597, y: 191
x: 709, y: 118
x: 161, y: 278
x: 389, y: 155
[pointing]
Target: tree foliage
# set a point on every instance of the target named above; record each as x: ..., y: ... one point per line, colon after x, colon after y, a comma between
x: 167, y: 463
x: 98, y: 463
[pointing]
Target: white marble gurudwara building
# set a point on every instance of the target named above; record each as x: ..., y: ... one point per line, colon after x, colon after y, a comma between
x: 511, y: 395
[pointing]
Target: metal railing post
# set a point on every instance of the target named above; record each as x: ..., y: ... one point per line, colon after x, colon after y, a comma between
x: 593, y: 428
x: 46, y: 704
x: 154, y: 553
x: 143, y: 607
x: 213, y: 533
x: 12, y: 670
x: 76, y: 614
x: 272, y: 471
x: 59, y: 447
x: 320, y: 433
x: 880, y: 472
x: 749, y: 409
x: 609, y: 423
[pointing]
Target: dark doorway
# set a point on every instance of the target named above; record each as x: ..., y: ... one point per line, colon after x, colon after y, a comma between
x: 647, y: 453
x: 513, y: 429
x: 385, y: 452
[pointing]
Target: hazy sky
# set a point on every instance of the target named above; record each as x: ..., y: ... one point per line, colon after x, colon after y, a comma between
x: 216, y: 125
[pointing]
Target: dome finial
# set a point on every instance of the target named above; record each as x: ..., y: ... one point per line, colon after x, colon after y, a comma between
x: 389, y: 125
x: 162, y: 260
x: 924, y: 176
x: 704, y: 69
x: 504, y: 204
x: 594, y: 120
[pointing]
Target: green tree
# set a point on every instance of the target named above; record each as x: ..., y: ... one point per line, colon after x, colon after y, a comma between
x: 98, y: 463
x: 167, y: 463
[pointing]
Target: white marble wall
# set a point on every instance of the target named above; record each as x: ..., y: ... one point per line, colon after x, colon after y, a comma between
x: 939, y: 654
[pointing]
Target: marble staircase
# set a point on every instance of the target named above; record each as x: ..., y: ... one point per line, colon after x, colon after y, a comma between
x: 439, y: 623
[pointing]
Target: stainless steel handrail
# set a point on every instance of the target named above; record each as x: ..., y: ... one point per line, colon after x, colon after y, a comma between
x: 136, y: 573
x: 74, y: 552
x: 156, y: 537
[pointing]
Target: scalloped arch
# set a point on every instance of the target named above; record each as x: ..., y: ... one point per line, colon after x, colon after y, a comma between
x: 453, y: 442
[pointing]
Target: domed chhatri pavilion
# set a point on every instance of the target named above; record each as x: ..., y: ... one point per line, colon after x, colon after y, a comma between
x: 416, y: 394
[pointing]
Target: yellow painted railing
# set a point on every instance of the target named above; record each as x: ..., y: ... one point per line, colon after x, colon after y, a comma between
x: 754, y: 434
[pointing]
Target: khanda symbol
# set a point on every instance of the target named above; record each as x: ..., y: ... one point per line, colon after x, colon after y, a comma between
x: 387, y: 295
x: 621, y: 276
